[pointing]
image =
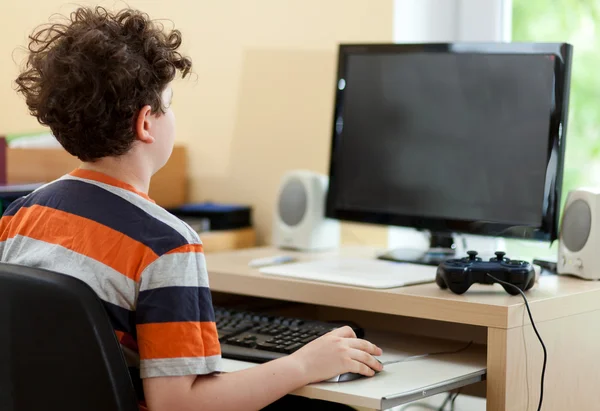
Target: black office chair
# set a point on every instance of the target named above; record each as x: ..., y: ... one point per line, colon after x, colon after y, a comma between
x: 58, y: 350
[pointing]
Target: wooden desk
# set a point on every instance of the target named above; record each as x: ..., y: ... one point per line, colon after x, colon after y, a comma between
x: 566, y: 312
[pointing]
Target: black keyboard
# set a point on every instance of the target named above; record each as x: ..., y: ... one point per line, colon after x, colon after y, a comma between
x: 255, y: 337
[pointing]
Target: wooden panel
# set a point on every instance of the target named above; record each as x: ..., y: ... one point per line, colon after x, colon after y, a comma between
x: 572, y: 375
x: 169, y: 186
x: 364, y: 234
x: 28, y: 165
x: 583, y: 299
x: 214, y: 241
x: 403, y: 324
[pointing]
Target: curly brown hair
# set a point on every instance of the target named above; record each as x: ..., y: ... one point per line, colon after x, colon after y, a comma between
x: 87, y: 78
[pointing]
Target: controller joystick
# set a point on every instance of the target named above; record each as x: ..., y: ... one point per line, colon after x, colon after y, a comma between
x: 499, y: 256
x: 459, y: 274
x: 471, y: 256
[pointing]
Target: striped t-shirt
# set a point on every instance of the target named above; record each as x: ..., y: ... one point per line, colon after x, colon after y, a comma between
x: 145, y: 264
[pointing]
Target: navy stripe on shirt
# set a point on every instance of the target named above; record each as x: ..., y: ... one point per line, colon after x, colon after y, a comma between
x: 99, y: 205
x: 174, y: 304
x: 121, y: 318
x: 14, y: 206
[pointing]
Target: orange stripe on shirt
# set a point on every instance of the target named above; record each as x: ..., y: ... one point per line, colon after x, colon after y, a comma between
x: 103, y: 178
x: 119, y: 335
x: 83, y: 236
x: 4, y: 222
x: 188, y: 248
x: 177, y: 339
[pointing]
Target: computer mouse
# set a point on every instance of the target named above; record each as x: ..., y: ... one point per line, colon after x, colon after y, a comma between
x: 349, y: 376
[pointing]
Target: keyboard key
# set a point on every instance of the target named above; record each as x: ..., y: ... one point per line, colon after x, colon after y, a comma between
x: 293, y: 347
x: 308, y: 339
x: 249, y: 329
x: 266, y: 346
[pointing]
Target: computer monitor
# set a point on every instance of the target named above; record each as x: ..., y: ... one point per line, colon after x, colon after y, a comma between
x: 452, y: 138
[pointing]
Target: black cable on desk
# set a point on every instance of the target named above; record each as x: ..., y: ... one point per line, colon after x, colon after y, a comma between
x: 534, y: 329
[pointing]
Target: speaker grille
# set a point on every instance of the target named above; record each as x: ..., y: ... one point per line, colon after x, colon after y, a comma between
x: 576, y: 225
x: 293, y: 202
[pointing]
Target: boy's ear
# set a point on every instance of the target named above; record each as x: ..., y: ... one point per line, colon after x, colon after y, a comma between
x: 143, y: 125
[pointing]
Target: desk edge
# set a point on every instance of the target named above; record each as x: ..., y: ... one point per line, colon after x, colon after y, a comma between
x: 448, y: 385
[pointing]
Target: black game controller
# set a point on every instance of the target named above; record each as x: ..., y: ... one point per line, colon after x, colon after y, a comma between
x: 459, y: 274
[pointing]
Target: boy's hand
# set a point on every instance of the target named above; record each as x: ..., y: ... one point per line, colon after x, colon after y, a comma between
x: 335, y: 353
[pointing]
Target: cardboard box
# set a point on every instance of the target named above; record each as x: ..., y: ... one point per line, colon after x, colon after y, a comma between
x: 169, y: 187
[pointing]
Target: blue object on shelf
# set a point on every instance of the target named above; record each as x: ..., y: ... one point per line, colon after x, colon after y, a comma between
x: 219, y: 216
x: 11, y: 192
x: 210, y: 208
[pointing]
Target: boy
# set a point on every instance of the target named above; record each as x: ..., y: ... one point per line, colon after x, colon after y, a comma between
x: 100, y: 81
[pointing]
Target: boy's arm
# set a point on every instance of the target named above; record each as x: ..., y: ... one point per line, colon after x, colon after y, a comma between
x: 254, y: 388
x: 179, y: 347
x: 250, y: 389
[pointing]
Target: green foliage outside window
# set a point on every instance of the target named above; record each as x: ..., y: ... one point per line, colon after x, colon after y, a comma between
x: 576, y: 22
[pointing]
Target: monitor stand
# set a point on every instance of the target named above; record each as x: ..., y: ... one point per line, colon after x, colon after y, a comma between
x: 441, y: 247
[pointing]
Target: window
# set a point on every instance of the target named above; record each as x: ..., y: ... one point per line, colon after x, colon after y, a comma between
x: 578, y: 23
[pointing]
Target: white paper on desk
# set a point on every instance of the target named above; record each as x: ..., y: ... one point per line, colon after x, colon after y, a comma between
x: 358, y: 272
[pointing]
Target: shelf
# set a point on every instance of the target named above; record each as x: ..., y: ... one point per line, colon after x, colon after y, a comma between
x: 402, y: 382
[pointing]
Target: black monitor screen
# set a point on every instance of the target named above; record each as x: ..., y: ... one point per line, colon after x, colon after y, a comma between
x: 445, y: 136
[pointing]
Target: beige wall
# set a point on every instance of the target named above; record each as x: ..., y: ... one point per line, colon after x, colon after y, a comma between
x: 261, y: 102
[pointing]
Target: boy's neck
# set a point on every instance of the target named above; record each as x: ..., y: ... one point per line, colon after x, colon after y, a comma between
x: 122, y: 170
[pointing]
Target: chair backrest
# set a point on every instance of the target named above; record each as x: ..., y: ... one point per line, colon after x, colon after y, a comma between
x: 58, y: 350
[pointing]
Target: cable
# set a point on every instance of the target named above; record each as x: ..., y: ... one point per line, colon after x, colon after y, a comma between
x: 421, y: 405
x: 426, y: 406
x: 451, y: 397
x: 414, y: 357
x: 536, y: 333
x: 526, y: 362
x: 443, y: 406
x: 454, y: 399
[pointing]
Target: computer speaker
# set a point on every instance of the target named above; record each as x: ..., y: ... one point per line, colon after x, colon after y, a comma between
x: 299, y: 221
x: 579, y: 236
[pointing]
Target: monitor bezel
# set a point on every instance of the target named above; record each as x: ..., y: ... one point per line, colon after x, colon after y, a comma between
x: 547, y: 230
